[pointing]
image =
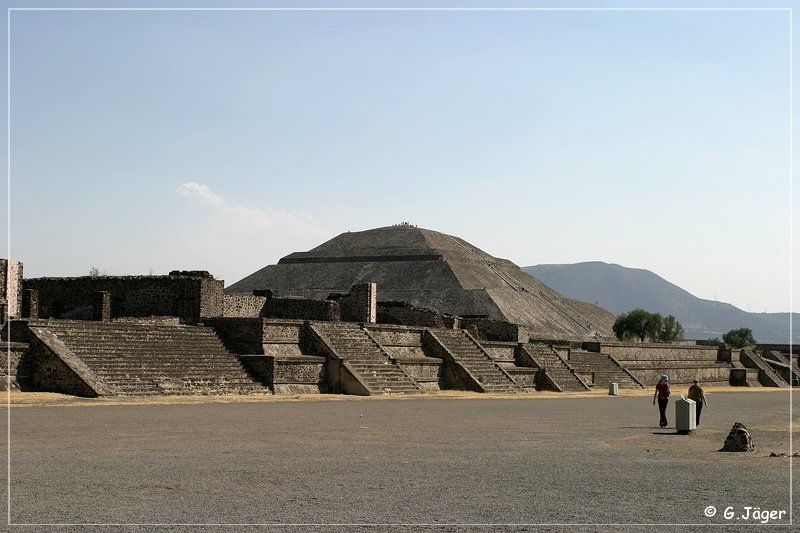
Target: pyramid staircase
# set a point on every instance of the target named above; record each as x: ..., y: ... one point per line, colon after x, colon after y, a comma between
x: 365, y: 359
x: 473, y: 358
x: 786, y: 367
x: 604, y: 368
x: 561, y: 374
x: 766, y: 375
x: 132, y: 359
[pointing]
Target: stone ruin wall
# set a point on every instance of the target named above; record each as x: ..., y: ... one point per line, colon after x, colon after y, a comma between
x: 11, y: 286
x: 266, y: 305
x: 9, y: 365
x: 495, y: 330
x: 251, y: 335
x: 406, y: 314
x: 356, y: 306
x: 243, y: 305
x: 187, y: 297
x: 645, y: 351
x: 359, y: 305
x: 682, y: 362
x: 239, y: 335
x: 41, y: 370
x: 299, y: 371
x: 299, y: 308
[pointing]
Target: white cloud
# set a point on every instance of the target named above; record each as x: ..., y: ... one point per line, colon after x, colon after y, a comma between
x: 192, y: 189
x: 233, y: 241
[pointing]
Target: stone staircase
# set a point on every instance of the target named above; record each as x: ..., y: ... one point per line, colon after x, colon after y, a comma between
x: 474, y: 359
x: 766, y: 375
x: 786, y: 368
x: 603, y: 370
x: 559, y: 371
x: 145, y: 359
x: 356, y: 347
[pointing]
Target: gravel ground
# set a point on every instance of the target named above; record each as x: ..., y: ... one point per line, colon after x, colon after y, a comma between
x: 466, y: 463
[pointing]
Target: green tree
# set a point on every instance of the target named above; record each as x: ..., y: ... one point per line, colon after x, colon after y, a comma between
x: 638, y: 324
x: 670, y: 330
x: 739, y: 338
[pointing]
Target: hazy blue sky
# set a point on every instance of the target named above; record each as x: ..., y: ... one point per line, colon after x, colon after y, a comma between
x: 223, y: 140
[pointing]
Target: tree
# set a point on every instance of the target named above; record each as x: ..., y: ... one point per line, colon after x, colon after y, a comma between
x: 739, y: 338
x: 670, y: 330
x: 638, y: 324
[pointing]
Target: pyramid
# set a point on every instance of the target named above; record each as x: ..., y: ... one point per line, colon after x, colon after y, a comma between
x: 431, y: 269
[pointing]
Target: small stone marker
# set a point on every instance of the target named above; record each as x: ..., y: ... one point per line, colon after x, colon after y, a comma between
x: 738, y: 440
x: 685, y: 417
x: 613, y: 389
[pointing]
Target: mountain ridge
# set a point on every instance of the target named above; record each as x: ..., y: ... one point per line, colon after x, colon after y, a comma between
x: 620, y: 289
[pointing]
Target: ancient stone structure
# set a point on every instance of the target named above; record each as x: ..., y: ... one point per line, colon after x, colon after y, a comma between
x: 683, y: 361
x: 187, y: 295
x: 397, y: 310
x: 11, y: 287
x: 30, y: 304
x: 404, y: 313
x: 433, y: 270
x: 738, y: 440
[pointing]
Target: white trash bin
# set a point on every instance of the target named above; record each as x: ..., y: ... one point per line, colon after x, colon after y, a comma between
x: 685, y: 415
x: 613, y: 389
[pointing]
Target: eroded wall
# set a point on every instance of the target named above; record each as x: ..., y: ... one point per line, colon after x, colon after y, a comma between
x: 189, y: 298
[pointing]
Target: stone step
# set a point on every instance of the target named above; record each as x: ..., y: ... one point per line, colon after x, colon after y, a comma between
x: 135, y: 359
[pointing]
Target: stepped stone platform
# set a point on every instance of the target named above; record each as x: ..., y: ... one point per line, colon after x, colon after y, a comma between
x: 599, y: 370
x: 364, y: 359
x: 782, y: 365
x: 467, y: 353
x: 683, y: 362
x: 767, y: 376
x: 558, y: 374
x: 130, y: 359
x: 248, y: 355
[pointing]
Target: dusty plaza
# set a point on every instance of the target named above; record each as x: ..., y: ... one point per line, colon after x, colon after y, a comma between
x: 441, y: 461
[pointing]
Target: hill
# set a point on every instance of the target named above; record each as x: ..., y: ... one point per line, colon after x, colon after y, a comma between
x: 620, y: 289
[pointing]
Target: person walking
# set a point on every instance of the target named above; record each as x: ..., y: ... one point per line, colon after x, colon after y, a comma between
x: 662, y: 395
x: 697, y: 394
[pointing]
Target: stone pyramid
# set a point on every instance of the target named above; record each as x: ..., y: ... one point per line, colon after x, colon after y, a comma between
x: 431, y: 269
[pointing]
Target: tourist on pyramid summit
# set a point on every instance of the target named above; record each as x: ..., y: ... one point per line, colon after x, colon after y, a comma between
x: 662, y: 394
x: 698, y: 395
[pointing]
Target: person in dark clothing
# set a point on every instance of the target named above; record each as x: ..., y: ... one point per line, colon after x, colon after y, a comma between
x: 662, y: 395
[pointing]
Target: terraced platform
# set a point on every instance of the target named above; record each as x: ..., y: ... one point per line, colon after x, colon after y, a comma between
x: 365, y: 358
x: 601, y: 370
x: 144, y: 359
x: 562, y: 376
x: 473, y: 358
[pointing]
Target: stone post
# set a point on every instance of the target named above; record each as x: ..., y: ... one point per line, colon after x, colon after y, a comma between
x: 30, y: 303
x: 372, y: 303
x: 362, y: 302
x: 11, y: 286
x: 101, y: 306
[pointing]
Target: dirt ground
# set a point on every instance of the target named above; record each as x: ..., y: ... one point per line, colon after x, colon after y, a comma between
x: 439, y: 462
